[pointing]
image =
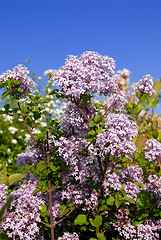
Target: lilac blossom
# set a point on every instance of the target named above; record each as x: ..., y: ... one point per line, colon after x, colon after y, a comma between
x: 34, y: 154
x: 117, y: 101
x: 125, y: 73
x: 69, y: 236
x: 145, y: 232
x: 133, y: 173
x: 31, y: 156
x: 75, y: 154
x: 21, y: 74
x: 80, y: 196
x: 75, y: 120
x: 3, y: 194
x: 145, y: 85
x: 125, y: 128
x: 23, y: 215
x: 117, y: 138
x: 154, y: 187
x: 131, y: 190
x: 90, y: 72
x: 153, y: 150
x: 111, y: 181
x: 123, y: 225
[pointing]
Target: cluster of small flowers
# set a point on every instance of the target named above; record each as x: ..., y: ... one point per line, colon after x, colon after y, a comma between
x: 80, y: 196
x: 122, y: 77
x: 117, y: 138
x: 125, y: 73
x: 124, y: 179
x: 3, y: 194
x: 19, y: 73
x: 116, y: 101
x: 69, y: 236
x: 112, y: 181
x: 153, y: 150
x: 131, y: 190
x: 74, y: 152
x: 145, y: 232
x: 154, y: 187
x: 22, y: 217
x: 141, y: 232
x: 133, y: 173
x: 73, y: 120
x: 123, y: 225
x: 32, y: 156
x: 145, y: 85
x: 90, y: 72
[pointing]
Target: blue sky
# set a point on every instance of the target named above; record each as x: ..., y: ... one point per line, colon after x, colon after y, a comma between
x: 47, y: 31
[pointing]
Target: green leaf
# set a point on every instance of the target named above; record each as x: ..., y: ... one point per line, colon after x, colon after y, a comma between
x: 99, y: 130
x: 32, y: 97
x: 16, y: 82
x: 15, y: 178
x: 6, y: 107
x: 63, y: 207
x: 140, y: 141
x: 53, y: 168
x: 110, y: 201
x: 157, y: 86
x: 80, y: 219
x: 43, y: 208
x: 142, y: 162
x: 5, y: 94
x: 118, y: 202
x: 97, y: 221
x: 3, y: 176
x: 92, y: 124
x: 92, y: 132
x: 97, y: 118
x: 139, y: 108
x: 40, y: 166
x: 101, y: 236
x: 130, y: 200
x: 37, y: 115
x: 155, y: 103
x: 143, y: 98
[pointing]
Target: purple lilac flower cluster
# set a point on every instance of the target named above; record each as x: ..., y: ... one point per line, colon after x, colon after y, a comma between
x: 32, y: 156
x: 123, y: 225
x: 90, y: 72
x: 79, y: 161
x: 141, y: 232
x: 75, y: 120
x: 133, y: 173
x: 117, y: 138
x: 21, y: 74
x: 145, y: 232
x: 131, y: 190
x: 154, y: 187
x: 23, y: 215
x: 69, y: 236
x: 145, y: 85
x: 153, y: 150
x: 3, y: 194
x: 125, y: 179
x: 117, y: 101
x: 111, y: 181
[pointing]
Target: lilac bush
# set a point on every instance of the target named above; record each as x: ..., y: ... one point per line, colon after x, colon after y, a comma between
x: 97, y: 170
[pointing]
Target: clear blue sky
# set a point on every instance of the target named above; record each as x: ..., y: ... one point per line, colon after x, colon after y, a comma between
x: 47, y: 31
